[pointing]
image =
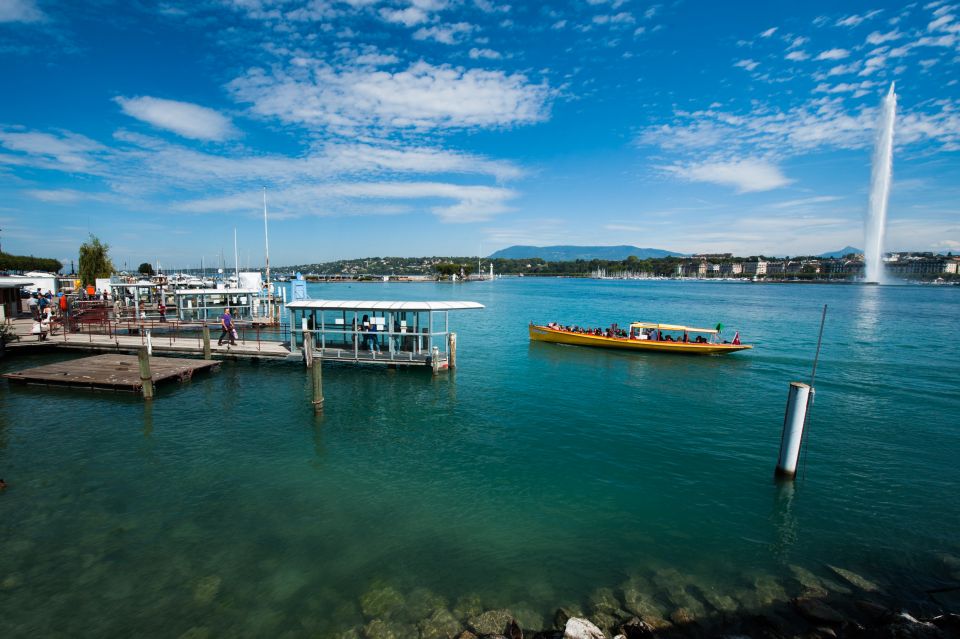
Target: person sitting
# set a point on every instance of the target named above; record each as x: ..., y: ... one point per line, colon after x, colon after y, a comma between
x: 668, y: 338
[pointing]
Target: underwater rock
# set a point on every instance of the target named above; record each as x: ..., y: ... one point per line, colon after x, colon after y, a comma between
x: 682, y: 617
x: 206, y: 589
x: 513, y: 630
x: 381, y: 601
x: 422, y: 603
x: 379, y: 629
x: 818, y: 611
x: 635, y: 628
x: 527, y: 617
x: 466, y: 607
x: 578, y: 628
x: 674, y: 586
x: 11, y: 581
x: 603, y: 600
x: 466, y: 634
x: 606, y: 621
x: 560, y: 618
x: 439, y: 625
x: 196, y: 632
x: 854, y: 579
x: 491, y: 622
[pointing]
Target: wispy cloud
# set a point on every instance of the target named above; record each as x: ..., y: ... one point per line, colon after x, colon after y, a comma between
x: 747, y: 64
x: 747, y: 175
x: 833, y: 54
x: 769, y: 32
x: 445, y: 33
x: 183, y: 118
x: 20, y: 11
x: 423, y: 96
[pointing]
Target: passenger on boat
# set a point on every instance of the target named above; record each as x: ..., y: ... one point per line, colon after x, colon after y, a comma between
x: 668, y: 338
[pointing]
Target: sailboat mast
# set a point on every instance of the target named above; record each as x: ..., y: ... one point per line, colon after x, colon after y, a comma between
x: 266, y: 240
x: 236, y: 257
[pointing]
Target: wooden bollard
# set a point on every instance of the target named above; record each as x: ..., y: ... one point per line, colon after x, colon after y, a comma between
x: 146, y: 377
x: 308, y: 349
x: 452, y: 350
x: 206, y: 342
x: 316, y: 373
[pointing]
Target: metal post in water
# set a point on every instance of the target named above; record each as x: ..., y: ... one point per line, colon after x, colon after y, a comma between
x: 206, y: 341
x: 795, y: 418
x: 317, y: 377
x: 149, y: 343
x: 146, y: 377
x: 452, y: 350
x: 435, y: 359
x: 793, y: 422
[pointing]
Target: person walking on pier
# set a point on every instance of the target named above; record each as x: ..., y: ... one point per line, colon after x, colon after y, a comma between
x: 226, y: 323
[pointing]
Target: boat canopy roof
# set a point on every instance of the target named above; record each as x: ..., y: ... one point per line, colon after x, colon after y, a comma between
x: 672, y: 327
x: 380, y: 305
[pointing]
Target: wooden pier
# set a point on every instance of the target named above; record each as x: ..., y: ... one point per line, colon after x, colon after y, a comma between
x: 110, y: 372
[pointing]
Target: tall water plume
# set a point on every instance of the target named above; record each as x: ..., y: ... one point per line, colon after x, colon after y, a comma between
x: 880, y: 178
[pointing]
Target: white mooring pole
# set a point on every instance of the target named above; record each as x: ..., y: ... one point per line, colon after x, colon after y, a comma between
x: 795, y: 418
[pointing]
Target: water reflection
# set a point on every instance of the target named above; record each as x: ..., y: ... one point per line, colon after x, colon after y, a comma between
x: 866, y: 320
x: 783, y: 518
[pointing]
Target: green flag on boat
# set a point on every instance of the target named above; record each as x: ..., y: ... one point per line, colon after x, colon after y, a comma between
x: 719, y: 327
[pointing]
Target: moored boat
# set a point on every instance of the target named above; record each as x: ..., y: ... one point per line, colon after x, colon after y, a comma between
x: 642, y: 336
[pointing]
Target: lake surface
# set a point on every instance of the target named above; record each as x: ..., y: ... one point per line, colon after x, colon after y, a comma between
x: 529, y: 477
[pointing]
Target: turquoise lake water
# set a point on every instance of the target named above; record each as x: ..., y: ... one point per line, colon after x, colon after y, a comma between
x: 529, y: 477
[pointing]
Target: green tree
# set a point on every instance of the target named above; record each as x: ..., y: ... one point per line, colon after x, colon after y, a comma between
x: 94, y: 261
x: 146, y: 269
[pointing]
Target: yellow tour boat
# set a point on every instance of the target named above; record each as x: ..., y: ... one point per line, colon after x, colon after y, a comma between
x: 642, y: 336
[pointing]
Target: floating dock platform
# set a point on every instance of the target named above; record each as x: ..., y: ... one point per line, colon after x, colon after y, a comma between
x: 110, y: 372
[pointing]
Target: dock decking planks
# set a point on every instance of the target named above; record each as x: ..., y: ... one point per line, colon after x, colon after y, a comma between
x: 109, y: 372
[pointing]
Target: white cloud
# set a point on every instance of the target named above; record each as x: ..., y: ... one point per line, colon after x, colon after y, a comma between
x: 489, y: 54
x: 559, y: 24
x: 445, y: 34
x: 879, y: 38
x: 769, y: 32
x: 747, y: 175
x: 461, y: 203
x: 183, y: 118
x: 854, y: 20
x: 423, y: 96
x: 805, y: 202
x: 799, y: 41
x: 798, y: 55
x: 833, y: 54
x: 20, y: 11
x: 377, y: 59
x: 489, y: 7
x: 749, y: 65
x: 409, y: 17
x: 67, y: 151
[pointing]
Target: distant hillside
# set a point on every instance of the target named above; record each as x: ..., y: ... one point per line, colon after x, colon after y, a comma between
x: 847, y: 250
x: 569, y: 253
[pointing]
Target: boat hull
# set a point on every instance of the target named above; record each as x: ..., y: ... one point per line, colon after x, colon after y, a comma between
x: 545, y: 334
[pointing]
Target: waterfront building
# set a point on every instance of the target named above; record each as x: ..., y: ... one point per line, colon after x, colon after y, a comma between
x: 758, y: 267
x: 729, y: 269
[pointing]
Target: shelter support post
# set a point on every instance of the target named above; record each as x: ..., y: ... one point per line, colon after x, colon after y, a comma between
x: 308, y: 349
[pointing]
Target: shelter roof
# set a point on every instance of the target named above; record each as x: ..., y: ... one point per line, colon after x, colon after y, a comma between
x: 380, y: 305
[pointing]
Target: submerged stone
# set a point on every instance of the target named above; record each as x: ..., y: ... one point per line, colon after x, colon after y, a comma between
x: 854, y: 579
x: 206, y: 589
x: 439, y: 625
x: 466, y: 607
x: 491, y: 622
x: 381, y: 601
x: 818, y: 611
x: 422, y: 603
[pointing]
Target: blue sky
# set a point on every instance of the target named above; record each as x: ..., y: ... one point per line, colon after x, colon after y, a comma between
x: 439, y: 127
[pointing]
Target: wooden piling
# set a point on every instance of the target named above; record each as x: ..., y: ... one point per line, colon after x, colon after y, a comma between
x: 206, y: 342
x: 308, y: 349
x: 316, y: 374
x: 146, y: 377
x: 452, y: 350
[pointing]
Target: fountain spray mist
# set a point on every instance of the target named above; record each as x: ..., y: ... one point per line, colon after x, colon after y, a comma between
x: 880, y: 179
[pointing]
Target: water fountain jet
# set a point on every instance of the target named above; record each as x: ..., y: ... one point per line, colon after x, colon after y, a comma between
x: 880, y: 178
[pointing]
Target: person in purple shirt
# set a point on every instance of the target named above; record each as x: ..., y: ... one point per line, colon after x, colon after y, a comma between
x: 226, y: 323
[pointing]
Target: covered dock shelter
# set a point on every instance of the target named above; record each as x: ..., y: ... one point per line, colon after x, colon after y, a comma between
x: 382, y: 332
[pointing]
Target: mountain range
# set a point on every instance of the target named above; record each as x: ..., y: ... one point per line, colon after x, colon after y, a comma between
x: 570, y: 253
x: 846, y: 250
